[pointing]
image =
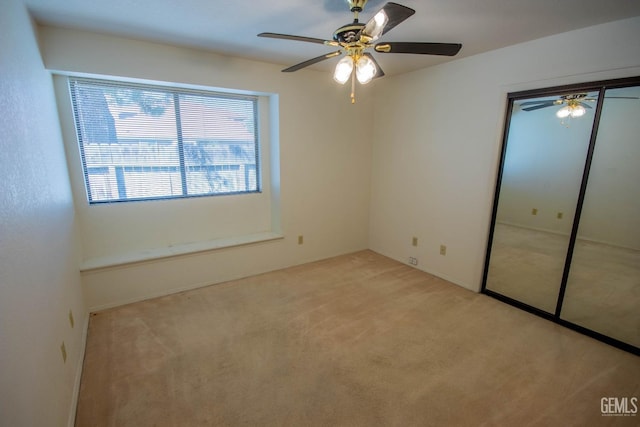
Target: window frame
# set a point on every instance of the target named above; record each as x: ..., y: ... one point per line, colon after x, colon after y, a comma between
x: 181, y: 167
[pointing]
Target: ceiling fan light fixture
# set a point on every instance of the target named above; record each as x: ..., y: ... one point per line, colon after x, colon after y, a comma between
x: 343, y: 70
x: 355, y: 39
x: 573, y: 109
x: 365, y: 70
x: 578, y: 111
x: 563, y: 112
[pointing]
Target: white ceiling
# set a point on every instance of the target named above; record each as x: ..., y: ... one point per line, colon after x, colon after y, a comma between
x: 230, y: 26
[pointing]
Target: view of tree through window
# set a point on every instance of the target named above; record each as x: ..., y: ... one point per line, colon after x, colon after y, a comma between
x: 146, y: 142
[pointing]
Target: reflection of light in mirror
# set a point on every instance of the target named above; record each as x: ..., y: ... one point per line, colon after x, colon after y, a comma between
x: 565, y: 107
x: 573, y: 110
x: 578, y: 111
x: 563, y: 112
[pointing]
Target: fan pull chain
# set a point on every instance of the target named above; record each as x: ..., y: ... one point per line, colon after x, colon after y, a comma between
x: 353, y: 86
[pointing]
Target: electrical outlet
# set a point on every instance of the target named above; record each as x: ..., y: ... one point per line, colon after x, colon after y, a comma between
x: 443, y: 250
x: 560, y: 215
x: 71, y: 321
x: 413, y: 261
x: 63, y: 350
x: 534, y: 211
x: 300, y: 239
x: 414, y: 241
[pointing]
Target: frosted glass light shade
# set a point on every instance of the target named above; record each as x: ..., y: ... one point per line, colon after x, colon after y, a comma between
x: 578, y: 111
x: 343, y: 70
x: 563, y: 112
x: 573, y: 110
x: 365, y: 69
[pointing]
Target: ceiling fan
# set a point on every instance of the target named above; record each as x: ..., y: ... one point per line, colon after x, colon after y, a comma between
x: 575, y: 105
x: 355, y: 38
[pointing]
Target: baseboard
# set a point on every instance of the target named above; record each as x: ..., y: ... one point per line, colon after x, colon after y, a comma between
x: 76, y: 384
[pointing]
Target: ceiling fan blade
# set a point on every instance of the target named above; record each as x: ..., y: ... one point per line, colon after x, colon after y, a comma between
x: 382, y: 22
x: 379, y: 72
x: 298, y: 38
x: 311, y: 61
x: 445, y: 49
x: 536, y: 102
x: 537, y: 107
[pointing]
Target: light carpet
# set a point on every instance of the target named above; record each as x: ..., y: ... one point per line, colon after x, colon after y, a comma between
x: 356, y: 340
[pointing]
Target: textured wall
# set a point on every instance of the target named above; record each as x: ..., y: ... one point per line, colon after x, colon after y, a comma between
x: 39, y: 279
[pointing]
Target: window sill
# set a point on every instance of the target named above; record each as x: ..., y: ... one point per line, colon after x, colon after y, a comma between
x: 171, y: 251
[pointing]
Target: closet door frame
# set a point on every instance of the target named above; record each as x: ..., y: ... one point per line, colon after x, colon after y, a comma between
x: 601, y: 87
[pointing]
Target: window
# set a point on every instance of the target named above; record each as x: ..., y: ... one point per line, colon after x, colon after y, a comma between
x: 140, y: 142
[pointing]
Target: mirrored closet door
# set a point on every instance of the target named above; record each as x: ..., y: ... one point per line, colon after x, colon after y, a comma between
x: 603, y: 287
x: 565, y: 232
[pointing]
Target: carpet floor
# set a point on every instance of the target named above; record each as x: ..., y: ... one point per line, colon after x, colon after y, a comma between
x: 355, y: 340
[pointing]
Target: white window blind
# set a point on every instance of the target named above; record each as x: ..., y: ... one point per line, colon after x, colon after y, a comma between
x: 140, y: 142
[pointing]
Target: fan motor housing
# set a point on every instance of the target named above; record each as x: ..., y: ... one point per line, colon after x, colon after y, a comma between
x: 348, y: 33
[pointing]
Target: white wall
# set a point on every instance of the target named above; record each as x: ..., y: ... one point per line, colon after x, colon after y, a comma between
x: 437, y: 136
x: 325, y: 170
x: 39, y: 278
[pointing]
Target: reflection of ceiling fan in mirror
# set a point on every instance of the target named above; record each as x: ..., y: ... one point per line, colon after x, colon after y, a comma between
x: 575, y: 105
x: 355, y: 38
